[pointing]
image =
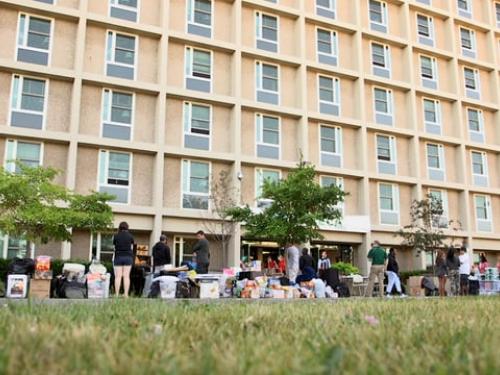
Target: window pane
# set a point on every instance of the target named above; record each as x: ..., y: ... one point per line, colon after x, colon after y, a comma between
x: 28, y: 153
x: 378, y: 55
x: 271, y: 137
x: 430, y: 111
x: 130, y: 3
x: 433, y: 156
x: 203, y: 12
x: 324, y: 42
x: 121, y: 110
x: 199, y: 177
x: 33, y: 95
x: 125, y: 49
x: 383, y: 148
x: 38, y: 33
x: 271, y: 175
x: 195, y: 202
x: 119, y: 165
x: 324, y: 3
x: 381, y: 104
x: 481, y: 210
x: 465, y: 36
x: 376, y: 11
x: 473, y: 117
x: 423, y: 25
x: 426, y: 67
x: 270, y: 71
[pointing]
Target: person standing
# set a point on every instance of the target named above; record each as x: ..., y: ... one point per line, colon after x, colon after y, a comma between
x: 202, y: 252
x: 392, y: 273
x: 281, y: 264
x: 306, y: 260
x: 378, y: 257
x: 292, y: 261
x: 464, y: 270
x: 453, y: 266
x: 161, y: 254
x: 123, y: 258
x: 324, y: 262
x: 483, y: 263
x: 441, y: 271
x: 271, y: 265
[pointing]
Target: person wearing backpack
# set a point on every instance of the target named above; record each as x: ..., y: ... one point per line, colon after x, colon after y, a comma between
x: 161, y: 254
x: 123, y: 258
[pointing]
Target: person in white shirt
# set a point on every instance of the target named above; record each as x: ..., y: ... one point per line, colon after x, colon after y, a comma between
x: 292, y: 262
x: 464, y: 271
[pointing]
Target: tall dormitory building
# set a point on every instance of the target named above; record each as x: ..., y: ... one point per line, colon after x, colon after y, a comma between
x: 146, y: 99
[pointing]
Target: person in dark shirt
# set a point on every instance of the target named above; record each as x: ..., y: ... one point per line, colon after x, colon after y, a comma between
x: 306, y: 260
x: 123, y: 258
x: 202, y: 252
x: 161, y: 254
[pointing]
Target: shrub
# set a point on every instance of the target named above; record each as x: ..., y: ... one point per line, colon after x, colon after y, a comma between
x: 346, y: 268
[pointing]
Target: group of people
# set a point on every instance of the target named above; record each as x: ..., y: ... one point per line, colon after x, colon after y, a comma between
x: 382, y: 264
x: 123, y: 258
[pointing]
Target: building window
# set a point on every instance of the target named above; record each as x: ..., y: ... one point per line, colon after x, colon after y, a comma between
x: 483, y: 213
x: 28, y: 102
x: 440, y: 221
x: 383, y: 106
x: 497, y: 11
x: 121, y: 55
x: 425, y: 30
x: 329, y: 95
x: 117, y: 114
x: 479, y: 168
x: 267, y: 82
x: 378, y: 15
x: 476, y: 124
x: 326, y: 8
x: 388, y: 203
x: 197, y: 125
x: 468, y: 42
x: 125, y: 9
x: 267, y: 136
x: 432, y: 115
x: 381, y: 60
x: 327, y: 44
x: 471, y: 77
x: 195, y: 184
x: 429, y: 72
x: 331, y: 146
x: 114, y: 175
x: 12, y: 247
x: 435, y: 161
x: 198, y: 69
x: 266, y: 32
x: 28, y: 154
x: 199, y: 17
x: 464, y: 8
x: 102, y: 247
x: 386, y: 154
x: 34, y: 39
x: 327, y: 181
x: 265, y: 175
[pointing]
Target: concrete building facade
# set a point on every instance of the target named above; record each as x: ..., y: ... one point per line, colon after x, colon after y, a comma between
x: 147, y: 99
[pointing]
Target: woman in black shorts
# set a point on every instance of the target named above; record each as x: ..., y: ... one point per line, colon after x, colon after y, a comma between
x: 124, y: 258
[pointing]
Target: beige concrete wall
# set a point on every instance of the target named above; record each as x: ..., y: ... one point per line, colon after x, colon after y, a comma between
x: 58, y: 106
x: 351, y: 201
x: 142, y: 179
x: 5, y: 92
x: 148, y: 12
x: 87, y: 165
x: 52, y: 249
x: 491, y: 132
x: 248, y: 185
x: 80, y: 245
x: 345, y: 11
x: 55, y: 155
x: 68, y: 3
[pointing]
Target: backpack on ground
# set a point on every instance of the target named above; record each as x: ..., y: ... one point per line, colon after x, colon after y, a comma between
x: 342, y: 290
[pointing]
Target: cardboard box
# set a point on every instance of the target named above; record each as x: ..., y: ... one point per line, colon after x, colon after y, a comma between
x: 98, y: 285
x: 43, y: 275
x: 17, y: 286
x: 415, y: 281
x: 417, y: 291
x: 40, y: 289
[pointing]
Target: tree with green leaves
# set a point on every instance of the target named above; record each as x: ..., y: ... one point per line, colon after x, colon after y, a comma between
x: 297, y: 205
x: 425, y: 233
x: 35, y: 208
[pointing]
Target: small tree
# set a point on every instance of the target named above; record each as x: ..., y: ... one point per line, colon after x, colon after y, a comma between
x: 425, y: 231
x: 297, y: 205
x: 33, y: 207
x: 222, y: 197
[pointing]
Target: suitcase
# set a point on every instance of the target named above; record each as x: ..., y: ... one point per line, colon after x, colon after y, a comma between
x: 474, y: 287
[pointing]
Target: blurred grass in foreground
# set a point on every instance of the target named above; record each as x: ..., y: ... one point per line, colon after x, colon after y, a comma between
x: 413, y: 336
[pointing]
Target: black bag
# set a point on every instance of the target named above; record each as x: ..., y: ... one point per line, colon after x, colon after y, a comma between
x: 343, y: 290
x: 155, y: 290
x: 330, y: 276
x: 183, y: 289
x: 284, y: 281
x: 72, y: 290
x: 474, y: 287
x: 20, y: 266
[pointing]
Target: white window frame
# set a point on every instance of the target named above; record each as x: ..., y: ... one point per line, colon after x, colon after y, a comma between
x: 434, y: 67
x: 335, y: 89
x: 332, y: 8
x: 390, y: 102
x: 489, y: 214
x: 392, y: 149
x: 440, y: 156
x: 333, y: 41
x: 259, y: 78
x: 383, y: 6
x: 187, y: 116
x: 430, y: 26
x: 24, y: 37
x: 188, y: 183
x: 339, y: 182
x: 18, y: 96
x: 395, y: 202
x: 444, y: 204
x: 111, y: 59
x: 190, y: 10
x: 338, y: 142
x: 4, y: 250
x: 469, y: 7
x: 480, y: 120
x: 472, y: 36
x: 484, y: 162
x: 497, y: 13
x: 98, y: 251
x: 108, y: 111
x: 259, y: 25
x: 106, y: 173
x: 9, y: 163
x: 259, y: 132
x: 189, y: 63
x: 259, y: 182
x: 116, y: 4
x: 387, y: 56
x: 477, y: 81
x: 437, y: 111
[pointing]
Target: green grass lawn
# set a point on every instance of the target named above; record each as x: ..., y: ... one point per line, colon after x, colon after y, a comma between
x: 412, y: 336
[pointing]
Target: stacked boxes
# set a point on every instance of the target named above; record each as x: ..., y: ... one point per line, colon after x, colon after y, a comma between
x: 42, y: 279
